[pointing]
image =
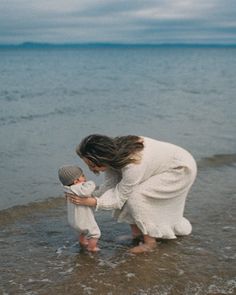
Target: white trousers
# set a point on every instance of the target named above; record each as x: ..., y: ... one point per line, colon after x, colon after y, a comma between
x: 81, y: 218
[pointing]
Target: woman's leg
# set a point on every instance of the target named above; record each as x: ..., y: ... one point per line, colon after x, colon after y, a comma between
x: 148, y: 245
x: 136, y: 232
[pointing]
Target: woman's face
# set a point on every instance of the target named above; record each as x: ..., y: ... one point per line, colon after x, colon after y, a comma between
x: 94, y: 168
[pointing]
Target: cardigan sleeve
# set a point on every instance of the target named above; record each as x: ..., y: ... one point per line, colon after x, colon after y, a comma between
x: 112, y: 177
x: 84, y: 189
x: 114, y: 198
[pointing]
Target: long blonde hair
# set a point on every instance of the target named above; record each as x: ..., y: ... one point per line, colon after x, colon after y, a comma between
x: 114, y: 152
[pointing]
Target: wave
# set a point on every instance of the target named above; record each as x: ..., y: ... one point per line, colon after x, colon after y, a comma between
x: 200, y: 91
x: 16, y: 95
x: 20, y: 211
x: 217, y: 160
x: 30, y: 117
x: 14, y: 213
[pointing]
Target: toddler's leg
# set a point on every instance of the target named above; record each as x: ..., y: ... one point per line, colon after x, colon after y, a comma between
x: 92, y: 245
x: 83, y: 240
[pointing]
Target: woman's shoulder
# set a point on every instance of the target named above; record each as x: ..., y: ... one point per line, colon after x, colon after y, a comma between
x: 148, y: 141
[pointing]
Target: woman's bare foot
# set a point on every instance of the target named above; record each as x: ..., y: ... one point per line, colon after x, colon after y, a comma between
x: 148, y: 246
x: 137, y: 235
x: 142, y: 248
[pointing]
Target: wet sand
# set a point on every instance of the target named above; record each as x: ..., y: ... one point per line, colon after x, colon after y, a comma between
x: 40, y: 253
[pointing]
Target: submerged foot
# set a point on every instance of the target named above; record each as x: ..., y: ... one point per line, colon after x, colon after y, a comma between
x: 83, y: 246
x: 143, y: 248
x: 137, y: 239
x: 94, y: 249
x: 83, y: 242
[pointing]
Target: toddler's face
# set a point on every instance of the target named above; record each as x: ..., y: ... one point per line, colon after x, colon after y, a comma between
x: 81, y: 179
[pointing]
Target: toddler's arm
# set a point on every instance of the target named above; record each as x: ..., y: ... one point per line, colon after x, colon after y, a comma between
x: 84, y: 189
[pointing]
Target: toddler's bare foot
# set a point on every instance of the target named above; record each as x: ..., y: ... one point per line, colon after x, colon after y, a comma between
x: 83, y: 241
x: 92, y: 245
x: 94, y: 249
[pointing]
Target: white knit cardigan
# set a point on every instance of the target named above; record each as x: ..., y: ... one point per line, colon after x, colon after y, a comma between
x: 151, y: 193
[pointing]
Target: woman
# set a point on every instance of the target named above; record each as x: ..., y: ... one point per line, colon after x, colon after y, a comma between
x: 146, y: 181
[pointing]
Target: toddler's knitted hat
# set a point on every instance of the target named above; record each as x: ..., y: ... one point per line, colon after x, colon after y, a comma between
x: 67, y: 174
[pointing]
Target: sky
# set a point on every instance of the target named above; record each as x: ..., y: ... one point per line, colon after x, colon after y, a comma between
x: 118, y: 21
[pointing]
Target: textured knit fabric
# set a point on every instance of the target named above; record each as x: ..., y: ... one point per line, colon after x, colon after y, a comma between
x: 82, y: 218
x: 67, y: 174
x: 152, y: 193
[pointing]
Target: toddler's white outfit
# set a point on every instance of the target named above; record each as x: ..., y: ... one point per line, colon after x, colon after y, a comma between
x: 80, y: 217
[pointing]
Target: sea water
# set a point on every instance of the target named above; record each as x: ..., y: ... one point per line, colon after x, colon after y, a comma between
x: 52, y: 98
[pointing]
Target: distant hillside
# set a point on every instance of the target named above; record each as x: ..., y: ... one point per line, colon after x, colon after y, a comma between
x: 96, y: 45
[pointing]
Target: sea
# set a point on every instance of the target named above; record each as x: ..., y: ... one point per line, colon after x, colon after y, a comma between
x: 50, y: 99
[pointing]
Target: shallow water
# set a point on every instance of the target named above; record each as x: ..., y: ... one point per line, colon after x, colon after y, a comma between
x: 51, y: 99
x: 40, y: 253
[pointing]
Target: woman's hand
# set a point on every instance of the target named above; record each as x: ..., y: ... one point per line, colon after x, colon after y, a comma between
x: 84, y: 201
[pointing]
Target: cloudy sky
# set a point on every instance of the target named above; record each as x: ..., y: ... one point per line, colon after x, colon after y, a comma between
x: 122, y: 21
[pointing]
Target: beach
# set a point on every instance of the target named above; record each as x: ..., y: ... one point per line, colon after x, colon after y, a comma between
x: 40, y: 253
x: 50, y: 100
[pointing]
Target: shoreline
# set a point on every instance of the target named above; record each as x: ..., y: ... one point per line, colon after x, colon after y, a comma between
x: 40, y: 252
x: 215, y: 161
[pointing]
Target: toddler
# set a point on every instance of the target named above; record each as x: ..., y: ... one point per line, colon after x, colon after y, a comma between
x: 80, y: 218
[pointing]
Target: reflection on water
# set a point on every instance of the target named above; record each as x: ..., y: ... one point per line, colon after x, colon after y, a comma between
x: 174, y: 94
x: 182, y: 95
x: 40, y: 253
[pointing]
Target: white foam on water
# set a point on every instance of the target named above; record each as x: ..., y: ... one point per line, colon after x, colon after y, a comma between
x: 60, y: 250
x: 88, y: 290
x: 68, y: 271
x: 222, y: 287
x: 194, y: 288
x: 130, y: 275
x: 43, y: 280
x: 103, y: 262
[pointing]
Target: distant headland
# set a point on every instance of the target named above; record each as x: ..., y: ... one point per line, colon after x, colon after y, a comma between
x: 32, y: 45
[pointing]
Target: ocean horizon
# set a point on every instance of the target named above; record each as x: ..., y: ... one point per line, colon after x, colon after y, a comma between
x: 30, y: 44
